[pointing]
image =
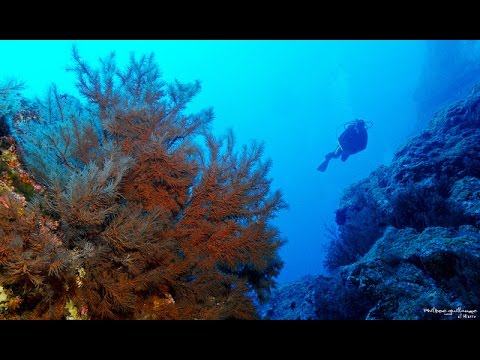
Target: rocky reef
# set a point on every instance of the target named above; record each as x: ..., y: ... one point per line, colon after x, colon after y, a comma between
x: 408, y: 245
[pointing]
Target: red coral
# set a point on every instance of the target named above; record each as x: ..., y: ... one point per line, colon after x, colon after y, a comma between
x: 143, y: 223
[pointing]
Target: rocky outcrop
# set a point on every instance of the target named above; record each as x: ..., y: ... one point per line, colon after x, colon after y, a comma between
x: 409, y: 238
x: 295, y: 303
x: 406, y: 274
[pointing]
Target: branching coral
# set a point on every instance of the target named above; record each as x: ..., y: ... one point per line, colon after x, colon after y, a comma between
x: 138, y: 220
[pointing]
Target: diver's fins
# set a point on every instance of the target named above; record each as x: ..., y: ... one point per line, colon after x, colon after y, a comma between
x: 323, y: 165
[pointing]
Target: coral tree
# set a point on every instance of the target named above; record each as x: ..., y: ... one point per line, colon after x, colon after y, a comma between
x: 135, y: 216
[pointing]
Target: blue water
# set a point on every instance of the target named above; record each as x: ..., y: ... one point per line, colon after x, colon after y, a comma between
x: 293, y: 95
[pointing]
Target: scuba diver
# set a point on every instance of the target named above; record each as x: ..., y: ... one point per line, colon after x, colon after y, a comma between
x: 353, y: 140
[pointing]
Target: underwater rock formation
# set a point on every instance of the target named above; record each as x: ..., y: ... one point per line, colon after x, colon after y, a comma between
x: 450, y: 69
x: 295, y: 303
x: 408, y: 245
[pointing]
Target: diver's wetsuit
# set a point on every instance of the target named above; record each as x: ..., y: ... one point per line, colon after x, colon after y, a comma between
x: 353, y: 140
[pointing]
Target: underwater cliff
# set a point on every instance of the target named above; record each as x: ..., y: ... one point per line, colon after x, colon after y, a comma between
x: 408, y: 240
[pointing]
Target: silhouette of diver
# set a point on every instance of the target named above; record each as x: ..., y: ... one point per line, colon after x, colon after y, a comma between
x: 353, y: 140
